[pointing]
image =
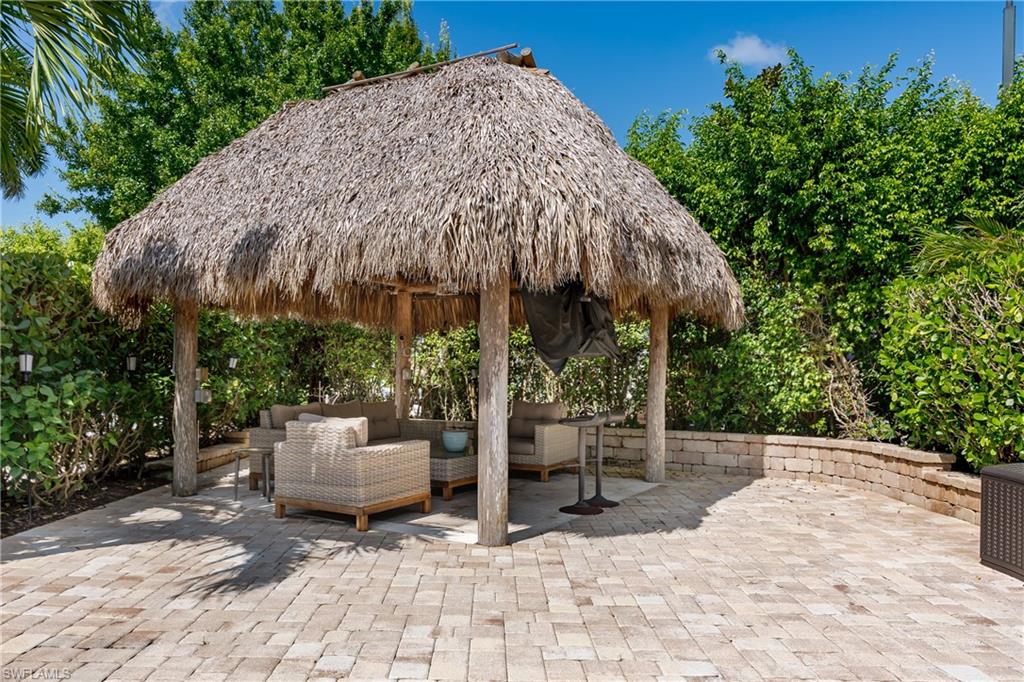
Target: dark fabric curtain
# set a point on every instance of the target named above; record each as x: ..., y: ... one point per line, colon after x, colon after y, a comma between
x: 563, y: 325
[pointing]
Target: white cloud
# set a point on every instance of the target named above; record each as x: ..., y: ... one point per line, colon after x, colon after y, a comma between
x: 750, y: 50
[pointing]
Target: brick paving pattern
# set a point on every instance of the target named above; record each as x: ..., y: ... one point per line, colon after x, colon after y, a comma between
x: 703, y: 577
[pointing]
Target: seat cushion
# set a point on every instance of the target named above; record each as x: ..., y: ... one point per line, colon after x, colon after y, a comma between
x: 282, y: 414
x: 358, y: 424
x: 350, y: 410
x: 526, y: 416
x: 520, y: 446
x: 383, y: 422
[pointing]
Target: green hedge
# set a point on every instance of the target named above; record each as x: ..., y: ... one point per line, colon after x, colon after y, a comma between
x: 82, y: 414
x: 953, y: 354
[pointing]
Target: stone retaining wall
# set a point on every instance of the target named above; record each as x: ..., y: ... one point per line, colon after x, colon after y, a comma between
x: 913, y: 476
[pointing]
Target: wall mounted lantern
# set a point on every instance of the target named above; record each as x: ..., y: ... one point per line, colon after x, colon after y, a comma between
x: 25, y: 361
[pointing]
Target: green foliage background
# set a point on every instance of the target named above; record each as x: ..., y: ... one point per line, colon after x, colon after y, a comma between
x: 817, y: 187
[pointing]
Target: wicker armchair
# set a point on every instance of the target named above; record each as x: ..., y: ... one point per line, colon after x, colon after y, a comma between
x: 537, y: 442
x: 320, y: 466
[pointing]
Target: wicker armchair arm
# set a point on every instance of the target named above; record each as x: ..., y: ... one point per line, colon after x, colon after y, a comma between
x: 556, y: 443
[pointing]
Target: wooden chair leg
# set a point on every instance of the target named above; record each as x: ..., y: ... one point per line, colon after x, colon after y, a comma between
x: 425, y: 505
x: 254, y: 481
x: 447, y: 493
x: 544, y: 475
x: 362, y: 522
x: 279, y: 510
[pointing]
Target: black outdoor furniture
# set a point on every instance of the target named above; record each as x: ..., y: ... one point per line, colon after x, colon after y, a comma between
x: 582, y: 422
x: 597, y: 503
x: 1002, y: 518
x: 611, y: 417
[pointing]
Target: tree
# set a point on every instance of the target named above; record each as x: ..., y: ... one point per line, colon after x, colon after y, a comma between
x: 229, y: 67
x: 51, y: 56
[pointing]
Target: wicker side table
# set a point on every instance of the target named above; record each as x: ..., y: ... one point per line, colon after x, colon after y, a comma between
x: 1002, y: 518
x: 449, y: 470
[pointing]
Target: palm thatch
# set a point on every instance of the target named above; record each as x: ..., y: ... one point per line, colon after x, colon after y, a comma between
x: 447, y: 179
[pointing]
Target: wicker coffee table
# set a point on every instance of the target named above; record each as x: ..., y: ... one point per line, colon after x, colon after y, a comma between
x: 451, y: 470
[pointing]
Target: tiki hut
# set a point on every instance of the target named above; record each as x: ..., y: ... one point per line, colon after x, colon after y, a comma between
x: 418, y: 202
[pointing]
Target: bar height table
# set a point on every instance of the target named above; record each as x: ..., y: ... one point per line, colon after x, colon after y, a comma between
x: 582, y: 423
x: 610, y: 417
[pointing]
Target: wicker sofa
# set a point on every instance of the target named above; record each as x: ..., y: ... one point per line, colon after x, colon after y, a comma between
x: 326, y: 464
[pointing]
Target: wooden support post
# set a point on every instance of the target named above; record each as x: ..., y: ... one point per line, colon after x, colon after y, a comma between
x: 492, y: 424
x: 403, y: 352
x: 654, y: 463
x: 186, y: 435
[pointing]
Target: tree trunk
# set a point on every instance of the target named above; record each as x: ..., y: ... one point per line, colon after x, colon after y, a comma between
x: 492, y: 426
x: 186, y: 434
x: 654, y: 463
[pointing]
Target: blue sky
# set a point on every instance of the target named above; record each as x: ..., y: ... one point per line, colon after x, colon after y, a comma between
x: 624, y: 58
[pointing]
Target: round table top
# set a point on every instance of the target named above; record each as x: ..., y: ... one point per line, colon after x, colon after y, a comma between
x: 255, y: 451
x: 584, y: 420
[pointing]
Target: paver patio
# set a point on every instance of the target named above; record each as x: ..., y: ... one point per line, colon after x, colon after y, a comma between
x: 704, y: 576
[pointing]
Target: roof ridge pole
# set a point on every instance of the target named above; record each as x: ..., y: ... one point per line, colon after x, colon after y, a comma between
x: 185, y: 426
x: 492, y: 414
x: 410, y: 71
x: 657, y: 371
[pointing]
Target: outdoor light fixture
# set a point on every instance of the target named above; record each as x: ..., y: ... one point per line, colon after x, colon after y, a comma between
x: 131, y: 363
x: 232, y: 363
x: 25, y: 365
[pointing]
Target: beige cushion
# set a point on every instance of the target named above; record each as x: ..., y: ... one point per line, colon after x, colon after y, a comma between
x: 282, y: 414
x: 383, y: 422
x: 350, y: 410
x: 520, y: 446
x: 357, y: 424
x: 526, y: 416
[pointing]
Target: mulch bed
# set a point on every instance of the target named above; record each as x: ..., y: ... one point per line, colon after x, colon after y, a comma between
x: 14, y: 516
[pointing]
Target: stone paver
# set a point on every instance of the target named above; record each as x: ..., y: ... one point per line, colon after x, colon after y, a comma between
x: 703, y: 577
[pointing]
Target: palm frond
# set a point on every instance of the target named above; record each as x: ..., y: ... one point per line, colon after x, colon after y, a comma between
x: 979, y: 239
x: 56, y: 54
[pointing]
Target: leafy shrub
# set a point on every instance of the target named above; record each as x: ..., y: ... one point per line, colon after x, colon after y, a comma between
x: 82, y: 415
x: 767, y: 377
x: 359, y: 364
x: 445, y: 364
x: 953, y: 356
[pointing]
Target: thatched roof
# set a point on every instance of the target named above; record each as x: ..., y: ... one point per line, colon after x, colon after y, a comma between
x: 444, y: 178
